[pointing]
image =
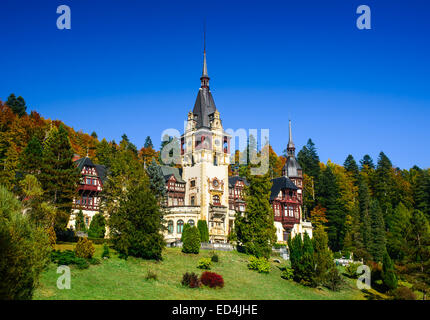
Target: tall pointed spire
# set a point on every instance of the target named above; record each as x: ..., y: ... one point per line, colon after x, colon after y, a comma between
x: 290, y: 147
x: 204, y: 78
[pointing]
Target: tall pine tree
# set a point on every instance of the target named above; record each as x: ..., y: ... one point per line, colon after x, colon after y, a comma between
x: 59, y: 175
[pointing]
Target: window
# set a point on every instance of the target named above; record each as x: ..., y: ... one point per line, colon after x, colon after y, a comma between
x: 215, y: 200
x: 291, y: 211
x: 191, y: 222
x: 170, y: 226
x: 193, y: 183
x: 193, y: 200
x: 88, y: 181
x: 179, y: 226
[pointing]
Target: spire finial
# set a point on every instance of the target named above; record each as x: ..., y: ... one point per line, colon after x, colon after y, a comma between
x: 290, y: 147
x: 204, y: 78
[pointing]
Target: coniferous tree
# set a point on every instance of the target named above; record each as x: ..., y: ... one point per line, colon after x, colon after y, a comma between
x: 295, y: 246
x: 94, y: 135
x: 418, y: 253
x: 136, y: 225
x: 148, y: 142
x: 377, y: 245
x: 367, y: 161
x: 351, y: 167
x: 97, y: 226
x: 80, y: 222
x: 306, y: 266
x: 383, y: 184
x: 421, y: 191
x: 389, y: 277
x: 31, y: 158
x: 309, y: 160
x: 156, y: 181
x: 255, y: 230
x: 396, y: 235
x: 191, y: 240
x: 10, y: 166
x: 365, y: 220
x: 17, y: 105
x: 104, y: 153
x: 323, y: 257
x: 204, y: 231
x: 59, y: 175
x: 328, y: 196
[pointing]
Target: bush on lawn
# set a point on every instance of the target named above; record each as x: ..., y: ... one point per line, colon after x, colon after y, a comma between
x: 214, y: 257
x: 191, y: 240
x: 63, y: 258
x: 204, y: 231
x: 151, y: 275
x: 287, y: 274
x: 84, y: 248
x: 190, y: 280
x: 82, y: 263
x: 105, y: 253
x: 262, y: 265
x: 212, y: 279
x: 94, y: 261
x: 403, y: 293
x: 334, y: 280
x: 205, y: 263
x: 351, y: 270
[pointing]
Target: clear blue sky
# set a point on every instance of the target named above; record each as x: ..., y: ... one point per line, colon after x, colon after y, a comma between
x: 133, y: 67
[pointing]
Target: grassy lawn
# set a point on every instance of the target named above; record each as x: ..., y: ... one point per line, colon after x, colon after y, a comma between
x: 125, y: 279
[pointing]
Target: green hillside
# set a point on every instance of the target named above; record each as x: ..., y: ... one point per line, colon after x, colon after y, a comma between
x: 125, y: 279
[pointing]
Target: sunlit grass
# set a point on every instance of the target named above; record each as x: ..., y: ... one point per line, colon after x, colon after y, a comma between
x: 116, y: 278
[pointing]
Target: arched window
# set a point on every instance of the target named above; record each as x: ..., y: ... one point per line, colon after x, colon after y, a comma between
x: 191, y: 222
x: 179, y: 226
x: 170, y: 226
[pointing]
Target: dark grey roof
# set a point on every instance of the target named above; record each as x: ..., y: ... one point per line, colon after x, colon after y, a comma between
x: 291, y: 167
x: 102, y: 171
x: 169, y: 171
x: 232, y: 181
x: 86, y: 162
x: 82, y: 162
x: 279, y: 184
x: 204, y: 107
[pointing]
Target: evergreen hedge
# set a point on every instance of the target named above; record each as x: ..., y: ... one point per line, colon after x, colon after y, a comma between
x: 204, y: 231
x: 191, y: 240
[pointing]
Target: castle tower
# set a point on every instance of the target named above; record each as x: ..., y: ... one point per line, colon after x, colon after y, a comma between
x: 205, y: 155
x: 292, y: 168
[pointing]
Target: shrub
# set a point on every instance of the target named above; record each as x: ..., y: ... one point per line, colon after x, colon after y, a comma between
x: 97, y: 226
x: 191, y: 240
x: 151, y: 275
x: 287, y: 274
x: 214, y: 257
x: 81, y: 263
x: 334, y: 280
x: 212, y: 279
x: 105, y: 253
x: 52, y: 237
x: 204, y: 231
x: 66, y: 235
x: 63, y: 258
x: 190, y: 280
x: 84, y: 248
x: 186, y: 227
x: 403, y: 293
x: 205, y: 263
x: 262, y: 265
x: 388, y: 275
x: 94, y: 261
x: 351, y: 270
x: 279, y: 245
x: 337, y: 255
x: 24, y: 250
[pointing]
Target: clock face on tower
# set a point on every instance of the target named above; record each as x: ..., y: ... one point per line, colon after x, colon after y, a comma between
x: 215, y: 183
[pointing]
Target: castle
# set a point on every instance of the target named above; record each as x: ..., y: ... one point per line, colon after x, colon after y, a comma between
x: 202, y: 189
